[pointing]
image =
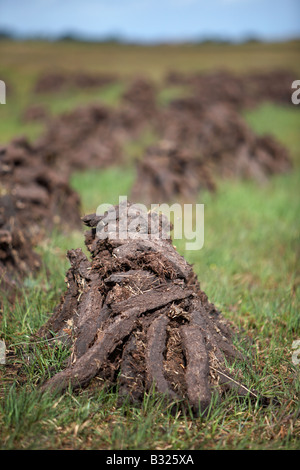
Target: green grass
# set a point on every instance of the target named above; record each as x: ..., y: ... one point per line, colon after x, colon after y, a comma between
x: 283, y: 124
x: 100, y: 187
x: 248, y: 266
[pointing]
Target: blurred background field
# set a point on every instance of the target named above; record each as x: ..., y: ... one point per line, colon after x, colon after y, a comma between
x: 249, y: 265
x: 23, y: 62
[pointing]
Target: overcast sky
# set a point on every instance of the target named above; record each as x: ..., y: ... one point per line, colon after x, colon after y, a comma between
x: 154, y: 20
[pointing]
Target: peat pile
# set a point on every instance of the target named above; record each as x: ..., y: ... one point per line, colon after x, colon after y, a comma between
x: 141, y: 95
x: 169, y: 172
x: 87, y: 137
x: 224, y: 141
x: 93, y: 136
x: 240, y: 91
x: 274, y: 86
x: 33, y: 200
x: 198, y: 144
x: 17, y: 256
x: 52, y: 82
x: 35, y: 112
x: 134, y: 316
x: 212, y: 87
x: 42, y: 196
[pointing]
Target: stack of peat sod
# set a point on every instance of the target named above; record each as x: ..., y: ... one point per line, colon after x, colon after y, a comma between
x: 33, y: 200
x: 54, y: 82
x: 134, y: 316
x: 239, y: 91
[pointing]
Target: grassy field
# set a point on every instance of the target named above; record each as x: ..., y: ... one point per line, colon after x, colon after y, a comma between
x: 249, y: 267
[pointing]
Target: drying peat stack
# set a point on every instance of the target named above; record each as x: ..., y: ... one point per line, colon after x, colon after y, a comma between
x: 91, y: 136
x: 219, y: 86
x: 134, y: 316
x: 17, y: 257
x: 42, y: 196
x: 170, y: 173
x: 79, y: 139
x: 35, y: 113
x: 273, y: 86
x: 33, y: 200
x: 240, y: 91
x: 53, y: 82
x: 224, y: 141
x: 141, y: 95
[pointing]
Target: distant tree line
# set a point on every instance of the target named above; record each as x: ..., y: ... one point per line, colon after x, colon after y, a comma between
x: 6, y: 34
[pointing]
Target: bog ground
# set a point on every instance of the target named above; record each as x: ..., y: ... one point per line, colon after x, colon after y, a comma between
x: 248, y: 266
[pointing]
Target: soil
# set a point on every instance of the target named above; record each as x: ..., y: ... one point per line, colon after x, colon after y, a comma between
x: 134, y: 316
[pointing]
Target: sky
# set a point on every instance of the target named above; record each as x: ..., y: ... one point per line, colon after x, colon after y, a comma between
x: 153, y: 20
